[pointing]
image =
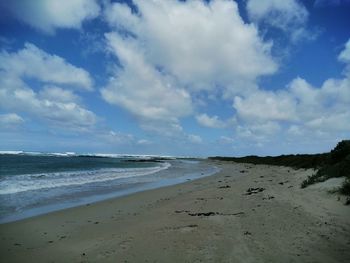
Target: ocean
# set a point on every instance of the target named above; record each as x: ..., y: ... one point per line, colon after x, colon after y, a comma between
x: 37, y: 183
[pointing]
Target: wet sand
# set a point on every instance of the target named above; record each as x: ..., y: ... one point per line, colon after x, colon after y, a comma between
x: 245, y: 213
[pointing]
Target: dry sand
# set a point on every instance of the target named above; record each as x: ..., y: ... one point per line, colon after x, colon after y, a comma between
x: 214, y: 219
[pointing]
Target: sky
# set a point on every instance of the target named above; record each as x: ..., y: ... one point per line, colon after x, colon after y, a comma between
x: 170, y: 77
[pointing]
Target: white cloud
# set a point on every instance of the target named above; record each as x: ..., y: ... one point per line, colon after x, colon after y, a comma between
x: 10, y: 120
x: 58, y: 94
x: 226, y: 140
x: 144, y: 142
x: 171, y: 128
x: 47, y: 15
x: 170, y: 51
x: 35, y: 63
x: 301, y: 107
x: 259, y: 132
x: 331, y: 122
x: 121, y: 16
x: 295, y: 130
x: 141, y: 89
x: 325, y: 108
x: 52, y: 104
x: 194, y: 138
x: 300, y: 111
x: 21, y: 98
x: 267, y: 128
x: 287, y: 15
x: 210, y: 122
x: 264, y: 106
x: 344, y: 56
x: 204, y: 48
x: 203, y: 44
x: 115, y: 137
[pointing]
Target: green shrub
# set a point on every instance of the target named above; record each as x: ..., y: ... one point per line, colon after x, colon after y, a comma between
x: 338, y: 166
x: 345, y: 188
x: 340, y: 151
x: 333, y: 164
x: 315, y: 178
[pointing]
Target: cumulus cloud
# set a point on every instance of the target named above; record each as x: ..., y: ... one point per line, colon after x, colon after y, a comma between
x: 144, y: 142
x: 163, y: 127
x: 265, y: 105
x: 47, y: 15
x: 141, y: 89
x: 226, y: 140
x: 194, y: 138
x: 294, y: 130
x: 169, y: 53
x: 171, y: 50
x: 33, y: 62
x: 202, y: 44
x: 300, y: 110
x: 21, y: 98
x: 10, y: 120
x: 303, y: 110
x: 57, y: 94
x: 210, y: 122
x: 287, y: 15
x: 325, y: 108
x: 51, y: 104
x: 258, y: 132
x: 344, y: 57
x: 115, y: 137
x: 331, y: 122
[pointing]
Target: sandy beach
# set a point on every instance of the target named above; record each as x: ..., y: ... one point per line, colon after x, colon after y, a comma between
x: 245, y: 213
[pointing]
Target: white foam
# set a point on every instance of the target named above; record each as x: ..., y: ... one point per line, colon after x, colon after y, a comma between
x: 31, y: 182
x: 11, y: 152
x: 134, y: 156
x: 111, y: 155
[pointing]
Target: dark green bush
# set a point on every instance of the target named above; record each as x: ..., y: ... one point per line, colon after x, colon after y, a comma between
x: 329, y: 165
x: 338, y: 166
x: 340, y: 151
x: 315, y: 178
x: 296, y: 161
x: 345, y: 188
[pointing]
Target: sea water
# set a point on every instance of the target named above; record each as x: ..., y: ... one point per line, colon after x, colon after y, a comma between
x: 36, y: 183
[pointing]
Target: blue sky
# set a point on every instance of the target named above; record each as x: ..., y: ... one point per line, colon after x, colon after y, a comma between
x: 172, y: 77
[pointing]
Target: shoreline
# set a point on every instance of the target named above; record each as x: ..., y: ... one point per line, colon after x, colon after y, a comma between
x: 175, y: 172
x: 244, y: 213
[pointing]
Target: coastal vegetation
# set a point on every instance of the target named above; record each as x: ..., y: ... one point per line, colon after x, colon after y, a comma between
x: 335, y: 163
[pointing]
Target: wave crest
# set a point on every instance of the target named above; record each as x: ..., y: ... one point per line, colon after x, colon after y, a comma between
x: 31, y: 182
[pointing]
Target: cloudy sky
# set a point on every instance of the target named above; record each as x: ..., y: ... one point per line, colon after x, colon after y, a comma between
x: 194, y: 77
